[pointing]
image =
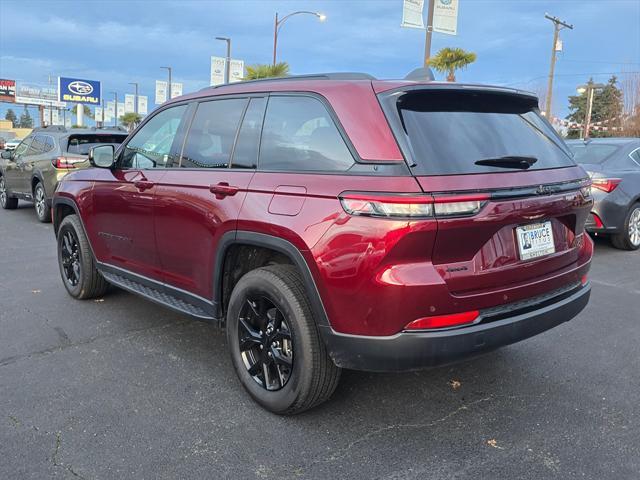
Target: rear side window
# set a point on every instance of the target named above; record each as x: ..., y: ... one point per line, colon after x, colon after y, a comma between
x: 300, y: 135
x: 38, y: 145
x: 592, y: 153
x: 212, y: 134
x: 449, y: 131
x: 81, y: 144
x: 246, y: 151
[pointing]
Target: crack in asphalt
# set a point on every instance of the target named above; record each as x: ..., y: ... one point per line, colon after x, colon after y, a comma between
x: 59, y: 348
x: 615, y: 285
x: 54, y: 458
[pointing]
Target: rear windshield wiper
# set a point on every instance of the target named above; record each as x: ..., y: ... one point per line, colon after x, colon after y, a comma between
x: 510, y: 161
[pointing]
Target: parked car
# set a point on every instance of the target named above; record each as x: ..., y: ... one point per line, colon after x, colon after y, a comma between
x: 11, y: 144
x: 337, y: 221
x: 32, y: 171
x: 614, y: 165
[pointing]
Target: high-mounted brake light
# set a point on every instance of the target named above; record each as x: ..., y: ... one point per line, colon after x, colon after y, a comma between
x: 607, y: 185
x: 412, y: 206
x: 65, y: 163
x: 444, y: 321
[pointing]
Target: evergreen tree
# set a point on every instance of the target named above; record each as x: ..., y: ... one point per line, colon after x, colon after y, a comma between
x: 25, y: 119
x: 607, y: 107
x: 11, y: 115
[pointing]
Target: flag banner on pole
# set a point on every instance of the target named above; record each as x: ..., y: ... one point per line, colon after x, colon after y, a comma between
x: 445, y: 16
x: 161, y: 92
x: 142, y: 104
x: 121, y: 111
x: 412, y: 14
x: 217, y: 71
x: 97, y: 115
x: 129, y: 103
x: 236, y: 72
x: 176, y: 89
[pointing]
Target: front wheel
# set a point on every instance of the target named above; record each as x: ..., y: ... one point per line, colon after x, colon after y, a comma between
x: 6, y: 202
x: 275, y: 346
x: 629, y: 238
x: 77, y: 266
x: 43, y: 212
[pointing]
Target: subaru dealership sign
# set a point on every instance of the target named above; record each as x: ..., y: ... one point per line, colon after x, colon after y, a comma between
x: 75, y: 90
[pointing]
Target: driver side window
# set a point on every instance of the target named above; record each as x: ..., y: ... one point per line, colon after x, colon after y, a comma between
x: 150, y: 147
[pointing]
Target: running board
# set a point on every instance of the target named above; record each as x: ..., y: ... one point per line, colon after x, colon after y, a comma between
x: 159, y: 293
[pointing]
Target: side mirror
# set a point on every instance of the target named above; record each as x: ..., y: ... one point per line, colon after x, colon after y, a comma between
x: 102, y: 156
x: 6, y: 154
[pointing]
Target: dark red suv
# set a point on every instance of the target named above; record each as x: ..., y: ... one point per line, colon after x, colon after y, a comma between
x: 337, y: 221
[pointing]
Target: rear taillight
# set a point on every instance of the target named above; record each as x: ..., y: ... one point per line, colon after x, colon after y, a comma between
x: 65, y: 163
x: 444, y: 321
x: 596, y: 220
x: 412, y: 206
x: 606, y: 184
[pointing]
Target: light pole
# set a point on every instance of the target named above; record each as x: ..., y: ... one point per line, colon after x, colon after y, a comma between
x: 590, y: 88
x: 278, y: 24
x: 427, y: 41
x: 169, y: 87
x: 135, y: 105
x: 557, y: 26
x: 115, y: 119
x: 227, y: 63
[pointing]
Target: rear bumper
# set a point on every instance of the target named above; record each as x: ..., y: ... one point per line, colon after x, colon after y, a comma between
x: 417, y: 350
x: 611, y: 209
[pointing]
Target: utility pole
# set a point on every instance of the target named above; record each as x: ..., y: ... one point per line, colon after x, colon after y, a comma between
x: 169, y: 86
x: 227, y: 62
x: 115, y: 116
x: 135, y: 106
x: 427, y: 41
x: 557, y: 26
x: 50, y: 106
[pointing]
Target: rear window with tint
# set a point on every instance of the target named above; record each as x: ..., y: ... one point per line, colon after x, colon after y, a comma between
x: 81, y: 144
x: 451, y: 130
x: 592, y: 153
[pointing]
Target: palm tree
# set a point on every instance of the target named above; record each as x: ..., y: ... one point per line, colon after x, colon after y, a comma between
x: 130, y: 120
x: 448, y: 60
x: 267, y: 71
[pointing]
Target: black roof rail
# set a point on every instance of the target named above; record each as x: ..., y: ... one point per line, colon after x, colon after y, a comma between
x: 312, y: 76
x: 50, y: 128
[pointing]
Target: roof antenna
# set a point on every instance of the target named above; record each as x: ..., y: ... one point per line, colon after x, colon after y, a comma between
x: 423, y: 74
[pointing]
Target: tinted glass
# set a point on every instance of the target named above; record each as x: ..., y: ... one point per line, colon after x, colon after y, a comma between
x: 592, y: 153
x: 636, y: 156
x: 213, y: 133
x: 37, y: 146
x: 299, y: 134
x: 451, y: 130
x: 22, y: 147
x: 81, y: 144
x: 150, y: 147
x: 245, y: 154
x: 49, y: 144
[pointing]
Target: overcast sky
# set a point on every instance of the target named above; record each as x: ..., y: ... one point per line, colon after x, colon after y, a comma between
x: 121, y: 41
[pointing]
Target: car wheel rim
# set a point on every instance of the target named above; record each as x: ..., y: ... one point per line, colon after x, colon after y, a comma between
x: 40, y: 201
x: 70, y: 257
x: 266, y: 344
x: 3, y: 193
x: 634, y: 227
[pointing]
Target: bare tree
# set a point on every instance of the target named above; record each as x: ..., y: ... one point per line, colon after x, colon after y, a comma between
x: 630, y: 86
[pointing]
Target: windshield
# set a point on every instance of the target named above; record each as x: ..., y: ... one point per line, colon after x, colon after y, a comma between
x: 81, y: 144
x: 451, y: 132
x: 592, y: 153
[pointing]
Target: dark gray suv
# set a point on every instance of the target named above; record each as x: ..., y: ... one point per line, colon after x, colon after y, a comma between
x: 614, y: 166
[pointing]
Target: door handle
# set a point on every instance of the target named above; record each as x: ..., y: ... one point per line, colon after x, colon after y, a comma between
x: 223, y: 189
x: 143, y: 185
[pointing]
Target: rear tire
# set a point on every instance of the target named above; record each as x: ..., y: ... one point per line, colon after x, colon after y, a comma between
x: 6, y: 202
x: 75, y: 259
x: 269, y: 311
x: 629, y: 238
x: 43, y: 212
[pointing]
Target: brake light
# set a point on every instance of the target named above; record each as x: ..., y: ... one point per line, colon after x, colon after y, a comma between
x: 412, y: 206
x: 584, y: 280
x: 606, y: 184
x: 65, y: 163
x: 443, y: 321
x: 597, y: 221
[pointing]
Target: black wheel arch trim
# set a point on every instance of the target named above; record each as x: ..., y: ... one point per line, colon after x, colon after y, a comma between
x: 243, y: 237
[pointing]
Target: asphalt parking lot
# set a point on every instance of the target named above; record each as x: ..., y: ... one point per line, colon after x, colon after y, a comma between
x: 122, y: 388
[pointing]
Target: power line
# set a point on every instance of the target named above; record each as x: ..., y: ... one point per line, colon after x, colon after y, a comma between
x: 569, y: 75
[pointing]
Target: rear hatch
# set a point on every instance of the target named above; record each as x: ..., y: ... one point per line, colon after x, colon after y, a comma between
x: 494, y: 146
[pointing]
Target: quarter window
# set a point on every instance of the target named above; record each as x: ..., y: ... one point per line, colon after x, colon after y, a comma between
x: 300, y: 135
x: 151, y: 146
x: 245, y: 154
x: 212, y: 134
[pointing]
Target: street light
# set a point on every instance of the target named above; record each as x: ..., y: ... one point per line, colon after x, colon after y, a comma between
x: 135, y: 105
x: 278, y: 24
x: 115, y: 116
x: 227, y: 63
x: 169, y: 88
x: 590, y: 88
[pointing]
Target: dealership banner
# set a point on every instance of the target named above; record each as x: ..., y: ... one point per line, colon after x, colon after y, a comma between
x: 99, y: 114
x: 412, y: 13
x: 129, y: 103
x: 7, y: 90
x: 161, y: 92
x: 236, y: 72
x: 142, y: 104
x: 76, y: 90
x: 445, y: 16
x: 121, y: 110
x: 31, y: 94
x: 176, y: 89
x: 110, y: 110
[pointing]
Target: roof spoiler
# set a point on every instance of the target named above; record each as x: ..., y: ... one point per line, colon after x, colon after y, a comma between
x: 422, y: 74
